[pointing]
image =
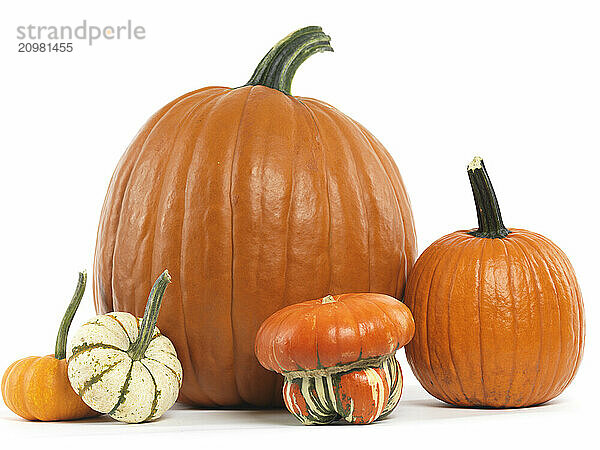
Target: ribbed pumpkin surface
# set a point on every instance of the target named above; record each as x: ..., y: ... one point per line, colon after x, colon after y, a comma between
x: 253, y: 200
x: 499, y: 322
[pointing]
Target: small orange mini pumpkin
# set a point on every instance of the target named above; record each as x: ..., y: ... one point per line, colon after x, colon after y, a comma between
x: 337, y: 356
x: 498, y: 312
x: 37, y: 387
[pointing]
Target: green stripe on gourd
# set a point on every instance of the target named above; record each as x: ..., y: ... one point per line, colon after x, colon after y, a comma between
x: 95, y: 378
x: 154, y: 407
x: 123, y: 392
x: 123, y: 366
x: 394, y: 379
x: 78, y: 350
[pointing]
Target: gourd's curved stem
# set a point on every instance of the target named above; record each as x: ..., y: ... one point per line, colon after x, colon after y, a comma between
x: 278, y: 67
x: 60, y: 349
x: 488, y: 211
x: 139, y: 347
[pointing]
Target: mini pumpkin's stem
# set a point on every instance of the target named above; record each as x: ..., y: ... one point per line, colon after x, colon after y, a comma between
x: 60, y: 349
x: 139, y: 347
x: 278, y: 67
x: 488, y: 211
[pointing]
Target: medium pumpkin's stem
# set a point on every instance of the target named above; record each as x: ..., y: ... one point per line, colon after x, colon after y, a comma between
x: 60, y: 349
x: 139, y: 347
x: 278, y: 67
x: 488, y: 211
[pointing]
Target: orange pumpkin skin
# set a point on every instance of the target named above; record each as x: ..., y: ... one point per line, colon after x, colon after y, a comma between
x: 499, y: 321
x: 38, y: 388
x: 255, y: 200
x: 334, y: 331
x: 364, y: 394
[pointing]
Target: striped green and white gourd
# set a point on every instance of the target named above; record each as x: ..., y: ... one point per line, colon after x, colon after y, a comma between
x: 123, y: 366
x: 359, y: 393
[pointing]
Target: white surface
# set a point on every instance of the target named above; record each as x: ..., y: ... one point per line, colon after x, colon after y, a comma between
x: 438, y: 82
x: 418, y: 421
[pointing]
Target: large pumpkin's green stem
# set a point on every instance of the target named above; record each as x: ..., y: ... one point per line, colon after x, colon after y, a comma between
x: 488, y: 211
x: 278, y: 67
x: 60, y: 349
x: 139, y: 347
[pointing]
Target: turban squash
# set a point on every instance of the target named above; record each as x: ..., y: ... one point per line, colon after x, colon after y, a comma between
x: 337, y: 355
x: 255, y: 199
x: 498, y: 312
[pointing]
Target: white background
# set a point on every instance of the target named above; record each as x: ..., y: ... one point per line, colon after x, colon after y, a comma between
x: 517, y: 82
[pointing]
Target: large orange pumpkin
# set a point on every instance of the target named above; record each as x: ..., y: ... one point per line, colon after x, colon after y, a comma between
x: 254, y: 199
x: 498, y: 312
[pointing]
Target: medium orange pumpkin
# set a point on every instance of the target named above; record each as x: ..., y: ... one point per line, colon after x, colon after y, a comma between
x: 499, y: 314
x: 337, y: 355
x: 255, y: 199
x: 37, y: 387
